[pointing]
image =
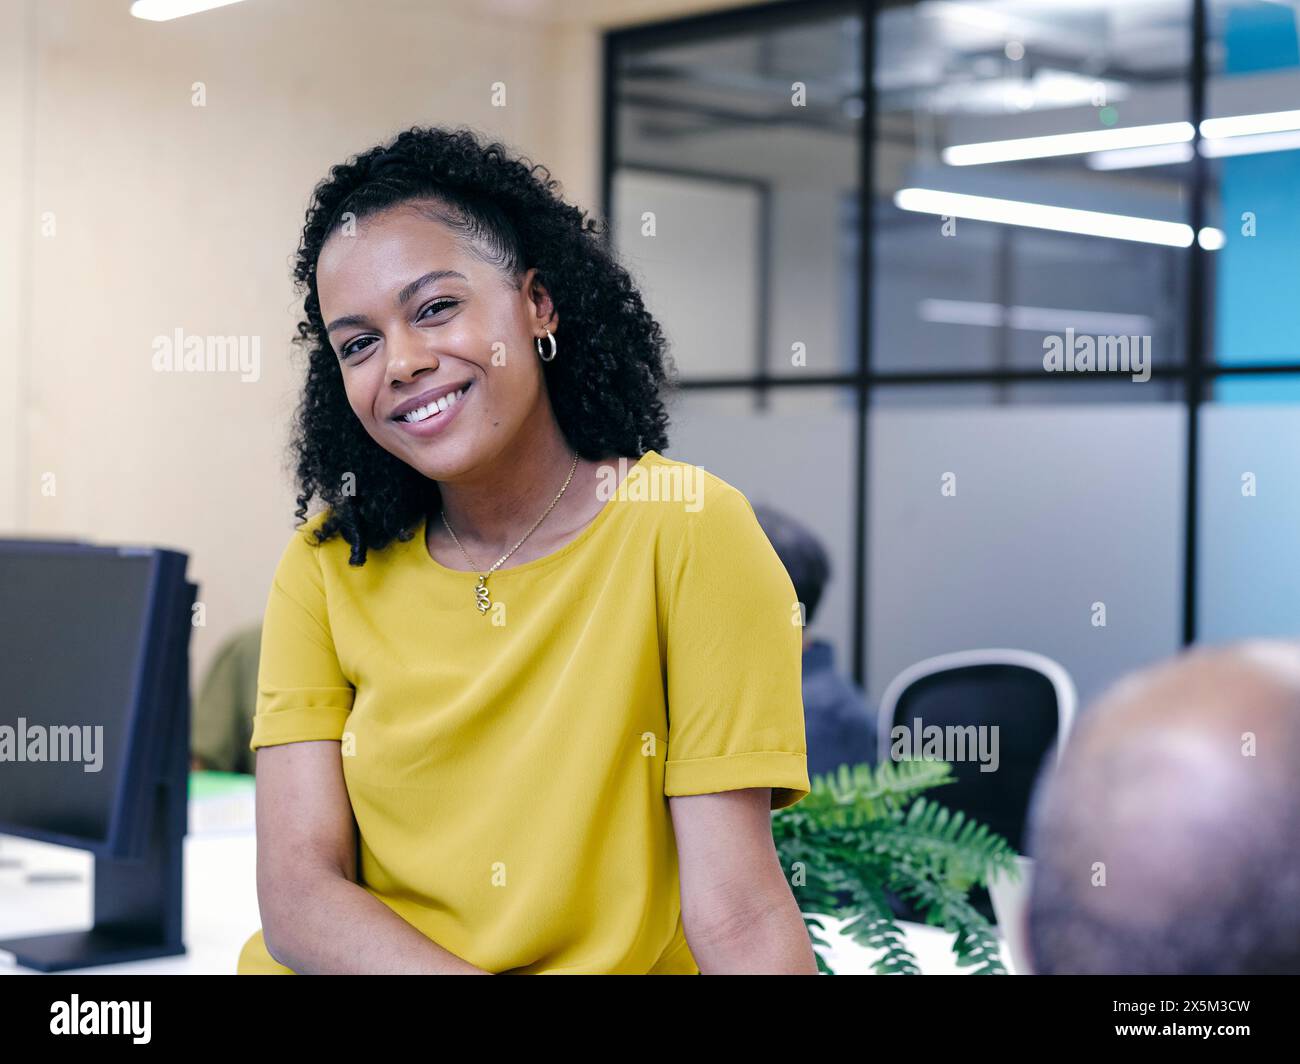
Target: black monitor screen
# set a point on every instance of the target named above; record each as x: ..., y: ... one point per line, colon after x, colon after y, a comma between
x: 72, y: 628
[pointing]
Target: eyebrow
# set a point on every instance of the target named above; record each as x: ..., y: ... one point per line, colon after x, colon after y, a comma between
x: 403, y: 297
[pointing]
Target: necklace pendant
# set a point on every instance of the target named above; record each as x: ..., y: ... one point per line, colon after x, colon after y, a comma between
x: 481, y: 595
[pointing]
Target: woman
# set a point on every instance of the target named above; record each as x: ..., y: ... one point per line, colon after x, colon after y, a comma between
x: 528, y: 689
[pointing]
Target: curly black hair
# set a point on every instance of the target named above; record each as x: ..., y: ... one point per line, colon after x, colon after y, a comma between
x: 605, y: 390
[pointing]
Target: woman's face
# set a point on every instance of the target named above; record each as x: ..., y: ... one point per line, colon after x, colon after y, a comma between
x: 412, y: 316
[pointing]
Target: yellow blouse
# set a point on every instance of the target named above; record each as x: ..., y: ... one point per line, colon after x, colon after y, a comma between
x: 510, y: 771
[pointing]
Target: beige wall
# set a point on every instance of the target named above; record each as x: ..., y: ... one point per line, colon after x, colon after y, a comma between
x: 15, y: 253
x: 170, y: 216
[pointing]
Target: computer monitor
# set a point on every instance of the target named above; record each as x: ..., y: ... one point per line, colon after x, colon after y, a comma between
x: 94, y: 734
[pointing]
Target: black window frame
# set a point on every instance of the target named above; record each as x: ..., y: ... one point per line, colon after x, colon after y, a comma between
x: 1196, y: 371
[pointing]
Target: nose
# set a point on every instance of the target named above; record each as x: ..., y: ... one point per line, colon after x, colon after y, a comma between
x: 409, y: 354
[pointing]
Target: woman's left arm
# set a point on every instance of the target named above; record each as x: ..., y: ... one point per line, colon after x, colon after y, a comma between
x: 738, y: 912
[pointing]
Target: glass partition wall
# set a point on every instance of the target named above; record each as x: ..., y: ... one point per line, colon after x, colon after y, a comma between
x: 994, y: 296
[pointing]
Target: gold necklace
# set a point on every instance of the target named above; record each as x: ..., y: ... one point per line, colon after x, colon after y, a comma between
x: 480, y: 589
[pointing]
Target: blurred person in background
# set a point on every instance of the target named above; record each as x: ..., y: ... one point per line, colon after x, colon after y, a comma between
x: 1165, y: 840
x: 221, y: 724
x: 838, y: 719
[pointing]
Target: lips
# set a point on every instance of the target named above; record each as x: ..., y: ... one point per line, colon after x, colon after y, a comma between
x: 434, y: 418
x: 431, y: 403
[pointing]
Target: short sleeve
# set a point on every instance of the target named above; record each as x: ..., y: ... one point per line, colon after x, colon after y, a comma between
x: 734, y: 658
x: 302, y: 693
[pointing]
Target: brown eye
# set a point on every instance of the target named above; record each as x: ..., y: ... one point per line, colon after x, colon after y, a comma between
x: 350, y: 348
x: 436, y: 305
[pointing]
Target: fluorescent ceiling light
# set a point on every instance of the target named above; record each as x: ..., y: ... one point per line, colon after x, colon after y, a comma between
x: 1002, y: 151
x: 1047, y: 89
x: 1046, y: 216
x: 1255, y: 144
x: 1032, y: 319
x: 1211, y: 148
x: 1245, y: 125
x: 1273, y: 131
x: 1211, y: 239
x: 163, y: 10
x: 1132, y: 158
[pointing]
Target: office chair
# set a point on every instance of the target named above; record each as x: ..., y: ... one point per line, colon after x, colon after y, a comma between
x: 1030, y: 700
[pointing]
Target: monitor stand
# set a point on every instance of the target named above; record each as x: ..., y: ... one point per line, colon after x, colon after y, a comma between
x: 137, y: 910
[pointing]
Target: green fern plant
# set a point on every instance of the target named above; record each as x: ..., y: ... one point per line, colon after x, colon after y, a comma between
x: 862, y: 832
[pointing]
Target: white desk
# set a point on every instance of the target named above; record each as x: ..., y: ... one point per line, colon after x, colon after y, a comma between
x: 221, y: 901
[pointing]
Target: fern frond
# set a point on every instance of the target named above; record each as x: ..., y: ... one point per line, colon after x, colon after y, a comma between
x: 820, y: 945
x: 874, y: 927
x: 862, y: 831
x: 975, y: 943
x: 962, y: 850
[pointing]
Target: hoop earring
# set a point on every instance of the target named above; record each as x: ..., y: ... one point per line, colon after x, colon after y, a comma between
x: 537, y: 341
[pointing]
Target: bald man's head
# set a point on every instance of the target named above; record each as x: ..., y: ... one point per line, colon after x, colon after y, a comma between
x: 1168, y: 838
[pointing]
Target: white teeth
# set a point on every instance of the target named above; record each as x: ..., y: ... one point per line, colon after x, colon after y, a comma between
x: 439, y: 406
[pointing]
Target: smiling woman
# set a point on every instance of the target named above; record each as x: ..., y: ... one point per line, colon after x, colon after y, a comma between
x: 512, y: 717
